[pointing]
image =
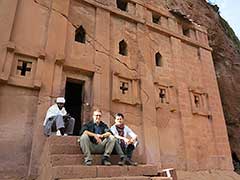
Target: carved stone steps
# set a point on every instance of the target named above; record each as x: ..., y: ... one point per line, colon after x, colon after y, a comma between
x: 63, y: 140
x: 81, y: 171
x: 78, y: 159
x: 62, y: 159
x: 64, y: 149
x: 125, y: 178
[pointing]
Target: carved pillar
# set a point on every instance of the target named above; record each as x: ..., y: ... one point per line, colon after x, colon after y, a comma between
x: 101, y: 79
x: 147, y: 93
x: 38, y: 75
x: 55, y: 39
x: 183, y: 104
x: 6, y: 64
x: 8, y: 10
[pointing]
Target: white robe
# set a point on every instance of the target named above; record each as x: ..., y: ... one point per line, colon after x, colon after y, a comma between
x: 54, y: 111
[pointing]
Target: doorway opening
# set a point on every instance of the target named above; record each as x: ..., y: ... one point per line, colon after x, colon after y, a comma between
x: 74, y: 100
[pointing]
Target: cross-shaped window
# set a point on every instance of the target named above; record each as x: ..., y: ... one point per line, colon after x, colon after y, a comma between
x: 124, y: 87
x: 197, y: 101
x: 162, y: 95
x: 24, y: 67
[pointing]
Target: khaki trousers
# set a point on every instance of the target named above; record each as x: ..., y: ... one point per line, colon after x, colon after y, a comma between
x: 105, y: 147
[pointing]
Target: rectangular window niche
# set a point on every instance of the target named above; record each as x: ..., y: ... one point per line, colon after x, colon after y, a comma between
x: 26, y: 70
x: 165, y: 96
x: 199, y: 102
x: 125, y: 89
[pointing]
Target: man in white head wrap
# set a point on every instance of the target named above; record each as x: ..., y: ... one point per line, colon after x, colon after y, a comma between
x: 57, y: 119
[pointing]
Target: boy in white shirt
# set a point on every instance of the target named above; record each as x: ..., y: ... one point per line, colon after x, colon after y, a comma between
x: 127, y: 140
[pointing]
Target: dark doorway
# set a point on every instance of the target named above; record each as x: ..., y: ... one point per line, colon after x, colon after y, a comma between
x: 73, y: 105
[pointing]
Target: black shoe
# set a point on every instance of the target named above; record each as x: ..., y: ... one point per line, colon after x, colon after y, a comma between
x: 131, y: 162
x: 122, y: 161
x: 105, y: 161
x: 88, y: 163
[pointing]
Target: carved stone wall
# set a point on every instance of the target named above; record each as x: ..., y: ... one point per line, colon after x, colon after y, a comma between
x: 140, y: 60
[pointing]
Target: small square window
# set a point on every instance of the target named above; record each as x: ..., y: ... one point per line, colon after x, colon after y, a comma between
x: 186, y: 31
x: 123, y: 48
x: 156, y: 18
x: 80, y: 35
x: 158, y: 59
x: 122, y: 4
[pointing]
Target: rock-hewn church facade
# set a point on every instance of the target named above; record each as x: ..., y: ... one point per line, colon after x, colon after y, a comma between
x: 149, y: 63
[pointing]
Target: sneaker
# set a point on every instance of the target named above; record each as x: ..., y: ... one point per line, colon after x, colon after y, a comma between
x: 58, y: 133
x: 122, y: 161
x: 88, y: 163
x: 105, y: 161
x: 65, y: 134
x: 131, y: 162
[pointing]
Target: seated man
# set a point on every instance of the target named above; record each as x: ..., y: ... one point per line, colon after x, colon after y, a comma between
x: 96, y: 137
x: 58, y: 120
x: 126, y: 140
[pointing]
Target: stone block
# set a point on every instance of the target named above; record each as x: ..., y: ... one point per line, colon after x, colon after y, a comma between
x: 78, y: 159
x: 140, y: 170
x: 67, y: 159
x: 111, y: 171
x: 63, y: 140
x: 64, y: 149
x: 74, y: 171
x: 61, y: 6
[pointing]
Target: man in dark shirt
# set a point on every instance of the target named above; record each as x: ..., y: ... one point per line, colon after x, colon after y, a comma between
x: 96, y: 137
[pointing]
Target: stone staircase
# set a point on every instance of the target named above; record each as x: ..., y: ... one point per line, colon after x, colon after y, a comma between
x: 62, y: 159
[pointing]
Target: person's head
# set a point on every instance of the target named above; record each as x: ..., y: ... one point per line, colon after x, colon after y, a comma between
x: 119, y: 119
x: 97, y: 113
x: 60, y: 101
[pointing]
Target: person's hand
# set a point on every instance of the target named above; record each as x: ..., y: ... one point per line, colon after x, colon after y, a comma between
x: 68, y: 115
x: 127, y: 141
x: 98, y: 138
x: 131, y: 141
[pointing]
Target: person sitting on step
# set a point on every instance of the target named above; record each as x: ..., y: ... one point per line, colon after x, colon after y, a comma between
x: 126, y: 140
x: 96, y: 137
x: 58, y: 120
